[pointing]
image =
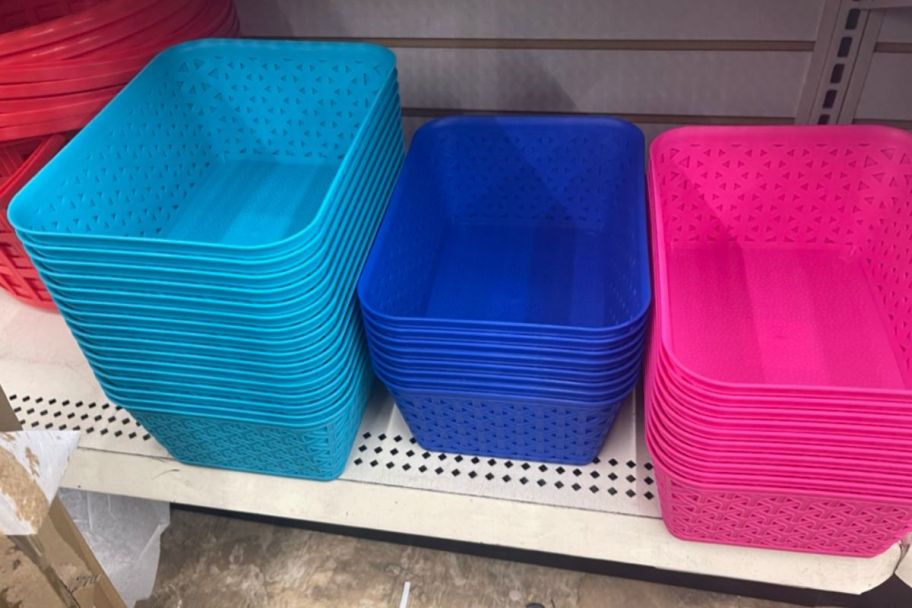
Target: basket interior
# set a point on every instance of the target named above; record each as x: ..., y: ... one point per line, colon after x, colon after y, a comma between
x: 218, y: 141
x: 517, y: 220
x: 791, y: 247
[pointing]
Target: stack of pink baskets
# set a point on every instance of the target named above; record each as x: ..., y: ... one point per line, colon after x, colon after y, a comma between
x: 779, y: 385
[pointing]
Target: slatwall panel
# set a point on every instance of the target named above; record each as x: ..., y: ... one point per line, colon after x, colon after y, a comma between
x: 781, y: 20
x: 411, y: 123
x: 897, y: 26
x: 655, y: 62
x: 625, y: 82
x: 887, y: 93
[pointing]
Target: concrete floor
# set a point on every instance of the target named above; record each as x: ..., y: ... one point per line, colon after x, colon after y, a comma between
x: 216, y: 562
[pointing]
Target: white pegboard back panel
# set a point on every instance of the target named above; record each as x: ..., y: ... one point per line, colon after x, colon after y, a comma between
x: 887, y: 93
x: 765, y: 84
x: 769, y: 20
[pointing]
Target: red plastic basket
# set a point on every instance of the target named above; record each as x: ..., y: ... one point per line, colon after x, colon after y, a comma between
x: 60, y: 63
x: 67, y: 29
x: 20, y: 14
x: 58, y: 74
x: 19, y: 161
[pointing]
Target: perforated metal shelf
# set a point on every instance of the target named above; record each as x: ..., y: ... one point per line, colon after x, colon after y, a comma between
x: 386, y: 453
x: 604, y: 510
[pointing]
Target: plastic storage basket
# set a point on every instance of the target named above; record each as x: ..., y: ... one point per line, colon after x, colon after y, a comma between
x: 203, y: 237
x: 19, y: 161
x: 779, y: 387
x: 514, y: 250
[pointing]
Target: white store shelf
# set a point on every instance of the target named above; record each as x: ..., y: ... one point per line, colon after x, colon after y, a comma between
x: 606, y: 510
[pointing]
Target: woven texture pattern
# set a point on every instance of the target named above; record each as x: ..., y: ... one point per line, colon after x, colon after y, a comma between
x: 513, y: 255
x: 203, y: 236
x: 854, y: 196
x: 507, y: 427
x: 314, y: 453
x: 200, y: 113
x: 547, y: 200
x: 781, y: 521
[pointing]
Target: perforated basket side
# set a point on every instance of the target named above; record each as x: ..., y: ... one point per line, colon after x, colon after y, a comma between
x: 315, y: 452
x: 788, y: 521
x: 507, y: 428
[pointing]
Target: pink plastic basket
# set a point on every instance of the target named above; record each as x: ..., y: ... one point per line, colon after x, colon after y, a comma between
x: 800, y: 514
x: 785, y: 407
x: 843, y: 463
x: 779, y: 384
x: 733, y: 206
x: 790, y: 520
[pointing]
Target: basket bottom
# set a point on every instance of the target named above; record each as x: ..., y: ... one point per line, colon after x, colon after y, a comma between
x: 248, y: 202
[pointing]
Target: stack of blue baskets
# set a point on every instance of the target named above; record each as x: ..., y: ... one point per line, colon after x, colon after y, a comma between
x: 203, y: 236
x: 505, y: 298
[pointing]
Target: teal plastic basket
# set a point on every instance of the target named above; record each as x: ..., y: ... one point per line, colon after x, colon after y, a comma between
x: 202, y: 238
x: 380, y: 147
x: 201, y: 152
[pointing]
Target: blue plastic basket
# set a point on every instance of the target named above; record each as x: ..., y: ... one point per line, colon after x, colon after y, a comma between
x: 466, y: 345
x: 507, y: 340
x: 103, y: 336
x: 240, y: 127
x: 319, y: 452
x: 505, y: 299
x: 222, y: 377
x: 361, y: 161
x: 308, y: 308
x: 533, y: 374
x: 545, y: 430
x: 458, y: 353
x: 355, y: 228
x: 526, y: 224
x: 519, y: 388
x: 195, y: 319
x: 253, y: 358
x: 542, y: 335
x: 308, y: 407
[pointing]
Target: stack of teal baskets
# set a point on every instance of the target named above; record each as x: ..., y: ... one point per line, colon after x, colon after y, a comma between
x: 203, y: 236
